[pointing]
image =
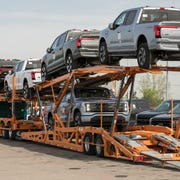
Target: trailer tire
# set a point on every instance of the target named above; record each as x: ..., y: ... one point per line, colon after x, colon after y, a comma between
x: 88, y: 148
x: 99, y: 146
x: 12, y: 135
x: 5, y: 133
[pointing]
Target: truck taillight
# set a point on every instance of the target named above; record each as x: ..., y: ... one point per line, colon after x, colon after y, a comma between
x: 33, y: 75
x: 157, y: 31
x: 78, y: 41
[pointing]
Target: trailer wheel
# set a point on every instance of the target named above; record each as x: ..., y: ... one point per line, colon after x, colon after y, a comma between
x: 99, y: 146
x: 88, y: 148
x: 5, y: 133
x: 12, y: 135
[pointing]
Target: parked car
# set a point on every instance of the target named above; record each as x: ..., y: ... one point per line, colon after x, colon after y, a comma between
x: 85, y: 109
x: 27, y: 73
x: 72, y: 49
x: 165, y: 119
x: 143, y: 118
x: 137, y: 106
x: 146, y: 33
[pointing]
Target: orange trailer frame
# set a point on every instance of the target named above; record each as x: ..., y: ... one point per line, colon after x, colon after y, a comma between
x: 136, y: 144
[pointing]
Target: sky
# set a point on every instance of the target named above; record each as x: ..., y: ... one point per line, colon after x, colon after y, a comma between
x: 28, y: 27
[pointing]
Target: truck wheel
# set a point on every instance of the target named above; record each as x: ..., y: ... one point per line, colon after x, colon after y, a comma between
x: 99, y: 146
x: 70, y: 63
x: 26, y: 90
x: 144, y: 56
x: 5, y: 133
x: 50, y: 123
x: 43, y: 73
x: 88, y: 148
x: 6, y: 90
x: 103, y: 53
x: 77, y: 118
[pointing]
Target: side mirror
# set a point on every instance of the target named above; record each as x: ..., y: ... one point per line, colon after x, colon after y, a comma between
x: 10, y: 72
x: 48, y: 50
x: 111, y: 26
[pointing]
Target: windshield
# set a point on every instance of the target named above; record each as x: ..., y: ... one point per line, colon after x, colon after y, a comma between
x: 73, y: 34
x: 158, y: 15
x: 164, y: 106
x: 177, y: 109
x: 33, y: 65
x: 93, y: 93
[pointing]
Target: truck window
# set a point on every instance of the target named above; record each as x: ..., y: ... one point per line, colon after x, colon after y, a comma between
x: 158, y: 15
x: 130, y: 17
x: 120, y: 20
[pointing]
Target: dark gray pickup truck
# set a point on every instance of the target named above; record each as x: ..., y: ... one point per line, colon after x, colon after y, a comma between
x: 72, y: 49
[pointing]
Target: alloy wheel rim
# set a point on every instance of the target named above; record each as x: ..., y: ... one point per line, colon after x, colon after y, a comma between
x: 142, y: 56
x: 69, y: 64
x: 102, y: 53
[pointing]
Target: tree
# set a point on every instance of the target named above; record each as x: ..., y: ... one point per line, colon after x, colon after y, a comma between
x: 153, y: 88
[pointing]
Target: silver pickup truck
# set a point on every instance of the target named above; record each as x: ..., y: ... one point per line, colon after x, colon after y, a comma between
x: 146, y: 33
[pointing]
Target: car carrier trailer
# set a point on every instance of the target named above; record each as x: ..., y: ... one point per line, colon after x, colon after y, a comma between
x: 138, y: 143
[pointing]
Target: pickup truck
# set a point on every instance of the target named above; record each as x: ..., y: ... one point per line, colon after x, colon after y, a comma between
x: 27, y: 73
x: 72, y: 49
x: 82, y: 107
x: 146, y: 33
x: 5, y: 67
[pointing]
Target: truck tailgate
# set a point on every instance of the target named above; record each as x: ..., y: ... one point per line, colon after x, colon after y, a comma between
x: 170, y: 30
x: 90, y: 41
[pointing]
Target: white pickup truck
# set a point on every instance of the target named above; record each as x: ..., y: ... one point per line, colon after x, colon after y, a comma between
x: 146, y: 33
x: 28, y: 73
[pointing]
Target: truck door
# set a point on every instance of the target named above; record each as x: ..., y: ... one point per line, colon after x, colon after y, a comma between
x: 122, y: 36
x: 50, y: 56
x: 127, y: 32
x: 19, y: 75
x: 115, y: 34
x: 59, y: 54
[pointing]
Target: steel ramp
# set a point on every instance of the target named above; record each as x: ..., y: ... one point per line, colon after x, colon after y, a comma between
x: 167, y: 158
x: 130, y: 142
x: 167, y: 139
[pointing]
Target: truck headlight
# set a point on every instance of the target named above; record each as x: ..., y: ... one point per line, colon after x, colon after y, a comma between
x: 89, y: 107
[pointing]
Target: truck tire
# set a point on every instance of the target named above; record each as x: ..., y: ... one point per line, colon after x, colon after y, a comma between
x: 144, y: 56
x: 70, y: 63
x: 12, y: 135
x: 43, y: 72
x: 88, y: 148
x: 5, y: 133
x: 7, y: 93
x: 99, y: 146
x: 27, y: 92
x: 50, y: 123
x: 103, y: 53
x: 77, y: 118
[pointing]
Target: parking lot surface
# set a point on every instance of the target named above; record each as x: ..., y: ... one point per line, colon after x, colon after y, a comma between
x: 23, y: 160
